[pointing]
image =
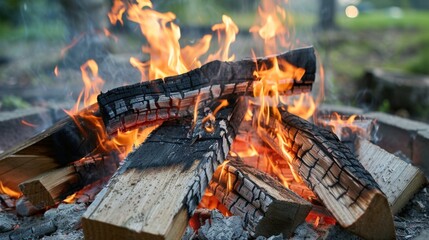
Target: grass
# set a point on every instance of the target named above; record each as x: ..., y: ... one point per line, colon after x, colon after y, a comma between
x: 381, y: 20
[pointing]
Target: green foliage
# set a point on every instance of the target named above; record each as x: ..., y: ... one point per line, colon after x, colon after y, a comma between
x: 420, y: 65
x: 10, y: 102
x: 382, y: 20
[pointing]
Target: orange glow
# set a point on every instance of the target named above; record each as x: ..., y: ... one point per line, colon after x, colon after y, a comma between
x: 230, y: 30
x: 166, y: 56
x: 274, y: 26
x: 303, y: 107
x: 23, y: 122
x: 123, y: 142
x: 115, y: 14
x: 211, y: 117
x: 338, y: 123
x: 56, y: 72
x: 70, y: 199
x: 9, y: 192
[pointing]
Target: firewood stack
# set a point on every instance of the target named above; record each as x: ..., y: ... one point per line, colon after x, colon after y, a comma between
x: 160, y: 184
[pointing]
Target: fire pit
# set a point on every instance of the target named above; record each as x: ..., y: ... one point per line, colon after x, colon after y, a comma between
x: 161, y: 158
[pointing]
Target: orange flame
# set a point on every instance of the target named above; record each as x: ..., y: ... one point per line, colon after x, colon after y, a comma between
x: 8, y: 191
x: 303, y: 107
x: 56, y: 72
x: 23, y: 122
x: 124, y: 141
x: 167, y: 58
x: 274, y: 26
x: 70, y: 198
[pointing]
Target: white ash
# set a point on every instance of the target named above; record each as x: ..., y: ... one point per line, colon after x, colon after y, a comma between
x: 67, y: 217
x: 221, y: 227
x: 305, y: 232
x: 8, y: 222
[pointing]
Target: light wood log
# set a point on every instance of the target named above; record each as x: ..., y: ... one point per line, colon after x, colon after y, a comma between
x: 334, y: 174
x: 128, y: 107
x: 56, y: 146
x: 266, y: 207
x: 154, y: 193
x: 398, y: 179
x: 50, y: 188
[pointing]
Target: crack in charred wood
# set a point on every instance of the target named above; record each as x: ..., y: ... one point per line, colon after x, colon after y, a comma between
x: 128, y: 107
x: 258, y: 199
x: 333, y: 173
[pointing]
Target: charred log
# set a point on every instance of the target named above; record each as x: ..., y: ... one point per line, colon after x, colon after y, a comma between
x: 266, y: 207
x: 128, y: 107
x: 334, y: 174
x: 162, y: 181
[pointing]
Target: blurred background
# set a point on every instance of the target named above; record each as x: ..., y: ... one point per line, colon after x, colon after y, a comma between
x: 375, y: 53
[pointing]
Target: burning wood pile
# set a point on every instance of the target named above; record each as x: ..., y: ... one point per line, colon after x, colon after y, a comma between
x: 215, y: 137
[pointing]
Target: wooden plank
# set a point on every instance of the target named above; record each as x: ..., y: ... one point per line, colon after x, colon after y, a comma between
x: 50, y: 188
x: 334, y: 174
x: 160, y: 184
x: 266, y: 207
x: 128, y: 107
x: 57, y: 146
x: 398, y: 180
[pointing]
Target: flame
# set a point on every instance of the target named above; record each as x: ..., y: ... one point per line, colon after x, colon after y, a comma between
x: 231, y: 30
x: 56, y: 72
x: 71, y: 45
x: 23, y: 122
x: 166, y: 56
x: 337, y: 124
x: 123, y: 142
x: 303, y: 107
x: 9, y: 192
x: 70, y: 198
x: 273, y: 26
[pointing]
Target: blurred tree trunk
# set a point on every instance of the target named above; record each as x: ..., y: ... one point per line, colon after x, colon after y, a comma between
x: 327, y: 12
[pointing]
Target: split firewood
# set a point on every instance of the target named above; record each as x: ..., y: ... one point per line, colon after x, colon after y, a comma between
x: 398, y: 179
x: 50, y: 188
x: 56, y: 146
x: 155, y: 191
x: 128, y: 107
x: 333, y: 173
x: 266, y: 207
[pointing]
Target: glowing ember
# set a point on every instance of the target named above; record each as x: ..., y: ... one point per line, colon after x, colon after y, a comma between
x: 26, y: 123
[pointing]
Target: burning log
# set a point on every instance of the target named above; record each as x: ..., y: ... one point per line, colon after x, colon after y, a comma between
x: 331, y: 170
x: 160, y: 184
x: 128, y: 107
x: 397, y: 179
x: 51, y: 187
x: 56, y: 146
x: 266, y: 207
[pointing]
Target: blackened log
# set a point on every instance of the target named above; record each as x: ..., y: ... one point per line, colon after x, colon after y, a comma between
x: 331, y: 170
x: 155, y: 191
x: 128, y: 107
x: 266, y: 207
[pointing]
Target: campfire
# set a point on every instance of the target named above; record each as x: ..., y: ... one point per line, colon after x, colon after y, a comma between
x: 205, y: 133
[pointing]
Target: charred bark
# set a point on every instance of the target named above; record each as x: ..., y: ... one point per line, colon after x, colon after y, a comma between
x: 128, y: 107
x: 162, y: 182
x: 334, y: 174
x: 266, y: 207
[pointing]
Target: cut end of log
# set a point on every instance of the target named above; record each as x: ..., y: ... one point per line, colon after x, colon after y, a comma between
x: 376, y: 221
x: 266, y: 207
